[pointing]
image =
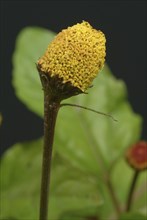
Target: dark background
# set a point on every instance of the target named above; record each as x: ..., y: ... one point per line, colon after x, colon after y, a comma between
x: 123, y: 22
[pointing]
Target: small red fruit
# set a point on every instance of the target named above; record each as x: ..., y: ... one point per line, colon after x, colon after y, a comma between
x: 136, y: 156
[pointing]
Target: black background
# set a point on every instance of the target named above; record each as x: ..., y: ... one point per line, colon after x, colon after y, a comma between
x: 123, y: 22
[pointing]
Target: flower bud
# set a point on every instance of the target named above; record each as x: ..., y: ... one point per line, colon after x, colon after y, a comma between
x: 136, y: 156
x: 75, y: 56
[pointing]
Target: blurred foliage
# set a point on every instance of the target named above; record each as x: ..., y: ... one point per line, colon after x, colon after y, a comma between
x: 1, y: 119
x: 71, y: 189
x: 132, y: 216
x: 87, y: 149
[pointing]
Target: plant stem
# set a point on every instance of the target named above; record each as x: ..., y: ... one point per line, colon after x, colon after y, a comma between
x: 131, y: 191
x: 113, y: 196
x: 50, y: 114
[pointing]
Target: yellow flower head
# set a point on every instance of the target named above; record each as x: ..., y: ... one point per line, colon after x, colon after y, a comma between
x: 76, y: 55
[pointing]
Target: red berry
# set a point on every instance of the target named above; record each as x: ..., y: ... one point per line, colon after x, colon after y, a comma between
x: 136, y: 155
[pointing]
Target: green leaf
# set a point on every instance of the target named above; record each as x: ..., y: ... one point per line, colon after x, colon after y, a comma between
x: 140, y: 195
x: 91, y: 144
x: 71, y: 190
x: 97, y: 136
x: 30, y: 46
x: 93, y: 138
x: 121, y: 177
x: 132, y: 216
x: 122, y: 183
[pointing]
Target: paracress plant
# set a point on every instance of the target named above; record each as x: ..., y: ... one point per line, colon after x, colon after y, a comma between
x: 68, y: 67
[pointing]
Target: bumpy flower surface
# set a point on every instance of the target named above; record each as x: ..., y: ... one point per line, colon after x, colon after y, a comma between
x: 137, y: 155
x: 76, y: 55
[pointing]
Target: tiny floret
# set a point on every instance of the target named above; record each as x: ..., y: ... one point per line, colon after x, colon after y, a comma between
x: 76, y: 55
